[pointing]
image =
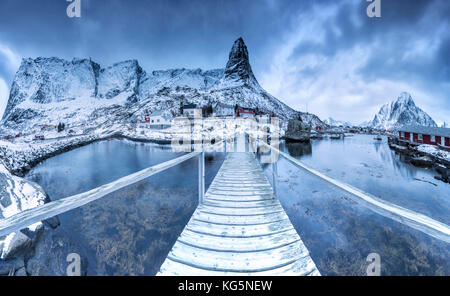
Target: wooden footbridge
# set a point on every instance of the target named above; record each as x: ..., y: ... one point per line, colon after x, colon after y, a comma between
x: 239, y: 227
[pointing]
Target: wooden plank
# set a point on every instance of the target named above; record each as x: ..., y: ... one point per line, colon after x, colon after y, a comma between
x: 239, y: 244
x: 248, y: 198
x: 240, y: 211
x: 243, y: 192
x: 298, y: 268
x: 242, y: 205
x: 240, y: 220
x: 237, y: 262
x: 239, y: 230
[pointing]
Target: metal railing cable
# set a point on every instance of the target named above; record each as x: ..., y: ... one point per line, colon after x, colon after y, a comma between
x: 405, y: 216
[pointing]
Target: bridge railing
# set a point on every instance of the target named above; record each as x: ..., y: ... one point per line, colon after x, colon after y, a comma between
x: 29, y: 217
x: 405, y: 216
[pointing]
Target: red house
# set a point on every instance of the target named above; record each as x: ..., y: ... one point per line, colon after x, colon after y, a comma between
x: 245, y: 112
x: 425, y: 135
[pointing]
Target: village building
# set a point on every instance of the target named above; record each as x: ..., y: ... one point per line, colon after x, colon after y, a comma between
x: 223, y: 110
x: 263, y: 117
x: 436, y: 136
x: 159, y: 120
x: 191, y: 111
x: 245, y: 112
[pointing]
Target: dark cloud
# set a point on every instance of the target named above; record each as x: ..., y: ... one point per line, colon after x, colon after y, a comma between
x: 161, y: 33
x: 391, y: 37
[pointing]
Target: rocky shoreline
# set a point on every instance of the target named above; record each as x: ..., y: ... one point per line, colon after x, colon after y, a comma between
x: 422, y: 159
x: 20, y: 162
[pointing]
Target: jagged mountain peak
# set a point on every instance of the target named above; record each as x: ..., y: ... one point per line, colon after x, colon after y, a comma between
x: 402, y: 111
x: 238, y: 70
x: 405, y: 98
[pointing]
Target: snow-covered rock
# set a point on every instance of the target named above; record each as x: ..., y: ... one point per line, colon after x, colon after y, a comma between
x: 198, y: 79
x: 400, y: 112
x: 120, y: 78
x: 435, y: 151
x: 17, y: 195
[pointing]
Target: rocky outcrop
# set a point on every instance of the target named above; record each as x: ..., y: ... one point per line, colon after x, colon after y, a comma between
x: 17, y: 195
x: 298, y: 131
x: 120, y: 78
x: 238, y: 68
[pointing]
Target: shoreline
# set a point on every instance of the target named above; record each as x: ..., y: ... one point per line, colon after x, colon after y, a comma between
x: 28, y: 164
x: 422, y: 159
x: 38, y: 153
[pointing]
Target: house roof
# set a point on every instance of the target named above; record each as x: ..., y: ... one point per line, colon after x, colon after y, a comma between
x: 426, y: 130
x: 163, y: 114
x: 223, y: 105
x: 190, y: 106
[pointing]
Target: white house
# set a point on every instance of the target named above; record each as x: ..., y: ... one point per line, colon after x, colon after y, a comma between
x: 191, y: 111
x: 160, y: 120
x: 223, y: 110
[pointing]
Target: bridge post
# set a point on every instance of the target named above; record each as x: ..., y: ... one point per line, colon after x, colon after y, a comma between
x: 274, y: 178
x: 201, y: 177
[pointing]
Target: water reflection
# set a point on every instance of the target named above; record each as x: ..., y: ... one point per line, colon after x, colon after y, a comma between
x: 130, y: 231
x: 299, y: 149
x: 373, y: 167
x: 341, y: 232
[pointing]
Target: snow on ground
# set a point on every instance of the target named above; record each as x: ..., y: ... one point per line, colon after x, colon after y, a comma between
x: 435, y: 151
x: 21, y: 153
x: 17, y: 195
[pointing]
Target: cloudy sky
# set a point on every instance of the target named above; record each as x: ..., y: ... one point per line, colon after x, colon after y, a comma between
x: 324, y: 56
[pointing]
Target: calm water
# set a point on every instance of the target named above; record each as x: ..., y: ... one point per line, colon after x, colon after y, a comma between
x: 131, y: 231
x: 373, y: 167
x: 339, y: 231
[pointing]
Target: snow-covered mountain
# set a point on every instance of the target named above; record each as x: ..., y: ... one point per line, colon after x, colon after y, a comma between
x: 402, y: 111
x: 332, y: 122
x: 81, y: 92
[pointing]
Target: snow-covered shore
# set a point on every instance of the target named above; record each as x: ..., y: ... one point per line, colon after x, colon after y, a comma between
x: 434, y: 151
x: 17, y: 195
x: 20, y: 155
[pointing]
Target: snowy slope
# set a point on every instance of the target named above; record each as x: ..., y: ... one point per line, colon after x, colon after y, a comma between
x: 402, y: 111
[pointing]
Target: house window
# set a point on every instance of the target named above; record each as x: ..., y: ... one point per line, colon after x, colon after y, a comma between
x: 402, y: 134
x: 157, y: 120
x: 420, y: 137
x: 153, y: 121
x: 433, y: 138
